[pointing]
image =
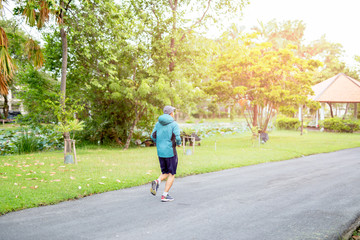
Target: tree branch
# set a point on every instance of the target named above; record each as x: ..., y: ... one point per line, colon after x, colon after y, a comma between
x: 197, y: 22
x: 67, y: 6
x: 171, y: 4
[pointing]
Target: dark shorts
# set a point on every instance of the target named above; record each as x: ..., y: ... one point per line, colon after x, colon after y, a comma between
x: 168, y: 165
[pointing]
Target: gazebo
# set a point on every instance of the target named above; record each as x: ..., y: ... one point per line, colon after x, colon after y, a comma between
x: 338, y: 89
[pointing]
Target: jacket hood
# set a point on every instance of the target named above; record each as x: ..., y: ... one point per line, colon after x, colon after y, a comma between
x: 165, y: 119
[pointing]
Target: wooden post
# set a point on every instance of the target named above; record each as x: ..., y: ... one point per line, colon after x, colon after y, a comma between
x: 74, y: 152
x: 65, y: 148
x: 184, y: 144
x: 193, y: 141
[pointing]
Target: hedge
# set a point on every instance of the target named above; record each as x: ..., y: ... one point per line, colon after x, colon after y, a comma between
x: 340, y: 125
x: 287, y: 123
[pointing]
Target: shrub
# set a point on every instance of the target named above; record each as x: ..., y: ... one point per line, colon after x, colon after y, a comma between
x: 287, y: 123
x: 340, y: 125
x: 29, y: 140
x: 288, y: 111
x: 27, y: 143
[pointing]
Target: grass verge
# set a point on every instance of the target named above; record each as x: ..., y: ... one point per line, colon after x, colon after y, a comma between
x: 41, y: 179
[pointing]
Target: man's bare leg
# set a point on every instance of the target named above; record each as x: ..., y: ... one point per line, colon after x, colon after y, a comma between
x: 162, y: 177
x: 169, y: 182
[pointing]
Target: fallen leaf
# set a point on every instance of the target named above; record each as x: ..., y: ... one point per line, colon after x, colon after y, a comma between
x: 88, y: 179
x: 72, y: 178
x: 16, y: 184
x: 79, y: 187
x: 23, y: 187
x: 103, y: 177
x: 356, y: 237
x: 18, y: 175
x: 101, y: 183
x: 118, y: 180
x: 43, y: 172
x: 62, y: 166
x: 4, y: 177
x: 34, y: 187
x: 57, y: 180
x: 52, y: 164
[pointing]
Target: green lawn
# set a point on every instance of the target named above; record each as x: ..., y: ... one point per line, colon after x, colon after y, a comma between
x: 40, y: 179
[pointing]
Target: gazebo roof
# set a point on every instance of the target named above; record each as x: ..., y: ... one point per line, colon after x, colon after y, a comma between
x: 338, y: 89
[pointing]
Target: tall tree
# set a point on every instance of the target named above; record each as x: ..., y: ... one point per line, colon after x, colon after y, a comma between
x: 173, y: 22
x: 37, y: 13
x: 271, y: 78
x: 280, y: 34
x: 7, y: 66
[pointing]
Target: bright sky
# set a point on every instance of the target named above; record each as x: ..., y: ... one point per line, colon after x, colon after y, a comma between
x: 338, y: 20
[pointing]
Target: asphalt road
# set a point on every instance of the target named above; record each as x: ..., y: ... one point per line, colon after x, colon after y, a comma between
x: 314, y: 197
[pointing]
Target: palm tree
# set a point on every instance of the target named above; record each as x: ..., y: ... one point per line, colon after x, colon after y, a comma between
x: 7, y: 66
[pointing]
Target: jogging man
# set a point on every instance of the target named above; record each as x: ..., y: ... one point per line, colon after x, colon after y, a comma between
x: 166, y: 134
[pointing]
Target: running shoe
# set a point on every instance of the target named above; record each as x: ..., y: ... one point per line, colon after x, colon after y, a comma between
x: 168, y: 198
x: 154, y: 187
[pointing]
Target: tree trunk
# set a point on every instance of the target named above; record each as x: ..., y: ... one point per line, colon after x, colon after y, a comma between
x: 331, y: 110
x: 63, y: 65
x: 255, y: 117
x: 302, y: 120
x: 67, y: 149
x: 267, y: 118
x: 173, y: 5
x: 6, y: 107
x: 136, y: 120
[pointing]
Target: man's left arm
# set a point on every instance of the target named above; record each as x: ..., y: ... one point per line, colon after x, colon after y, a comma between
x: 176, y: 131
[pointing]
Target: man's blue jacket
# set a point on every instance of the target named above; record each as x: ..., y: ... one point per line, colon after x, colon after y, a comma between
x: 166, y: 135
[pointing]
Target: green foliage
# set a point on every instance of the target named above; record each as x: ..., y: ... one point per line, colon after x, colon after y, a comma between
x: 53, y: 53
x: 270, y: 77
x: 288, y: 111
x: 36, y: 88
x: 340, y: 125
x: 214, y: 108
x: 28, y: 140
x: 66, y: 121
x: 287, y: 123
x: 26, y: 143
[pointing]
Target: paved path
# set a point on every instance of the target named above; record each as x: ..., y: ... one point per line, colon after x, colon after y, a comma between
x: 314, y: 197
